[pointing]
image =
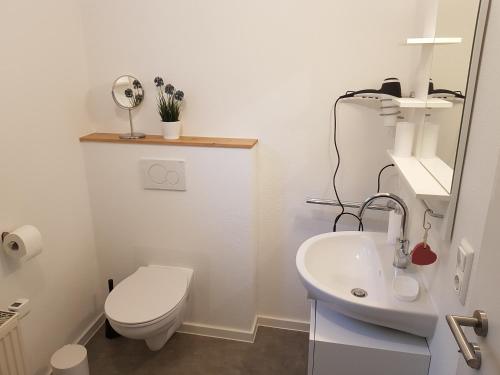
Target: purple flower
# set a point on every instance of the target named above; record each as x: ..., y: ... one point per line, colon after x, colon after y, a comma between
x: 169, y: 89
x: 129, y: 93
x: 158, y: 81
x: 179, y: 95
x: 137, y: 84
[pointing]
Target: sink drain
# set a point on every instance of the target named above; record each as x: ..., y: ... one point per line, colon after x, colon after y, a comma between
x: 358, y: 292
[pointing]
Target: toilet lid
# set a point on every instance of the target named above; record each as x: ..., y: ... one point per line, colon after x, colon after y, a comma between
x: 147, y: 294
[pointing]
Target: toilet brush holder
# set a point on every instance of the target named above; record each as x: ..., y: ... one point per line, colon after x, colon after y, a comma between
x: 109, y: 331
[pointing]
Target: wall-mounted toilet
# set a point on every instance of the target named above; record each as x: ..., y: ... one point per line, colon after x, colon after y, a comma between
x: 150, y: 304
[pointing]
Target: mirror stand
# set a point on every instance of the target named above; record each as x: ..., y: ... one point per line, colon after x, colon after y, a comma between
x: 132, y: 134
x: 128, y: 94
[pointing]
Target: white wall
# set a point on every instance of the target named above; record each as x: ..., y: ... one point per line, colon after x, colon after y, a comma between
x: 211, y: 227
x: 260, y: 69
x: 477, y: 183
x: 269, y: 70
x: 44, y: 82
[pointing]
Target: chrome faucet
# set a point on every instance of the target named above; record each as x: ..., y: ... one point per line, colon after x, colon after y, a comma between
x: 402, y: 255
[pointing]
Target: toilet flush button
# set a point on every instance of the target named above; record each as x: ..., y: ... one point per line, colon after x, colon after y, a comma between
x: 163, y: 174
x: 158, y: 174
x: 172, y: 177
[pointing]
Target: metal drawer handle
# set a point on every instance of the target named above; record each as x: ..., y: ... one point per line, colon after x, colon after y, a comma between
x: 470, y: 351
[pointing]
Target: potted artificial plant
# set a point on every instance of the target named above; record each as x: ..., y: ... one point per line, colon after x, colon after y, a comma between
x: 169, y: 108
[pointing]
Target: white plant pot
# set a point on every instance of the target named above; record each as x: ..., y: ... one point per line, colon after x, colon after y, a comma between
x: 171, y: 130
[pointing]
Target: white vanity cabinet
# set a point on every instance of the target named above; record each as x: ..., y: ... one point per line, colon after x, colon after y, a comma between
x: 339, y: 345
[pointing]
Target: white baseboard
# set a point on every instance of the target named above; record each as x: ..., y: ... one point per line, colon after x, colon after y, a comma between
x: 289, y: 324
x: 91, y: 330
x: 214, y: 331
x: 217, y: 332
x: 242, y: 335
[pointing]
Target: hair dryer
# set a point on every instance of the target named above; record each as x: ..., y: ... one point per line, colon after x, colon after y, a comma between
x: 390, y: 87
x: 443, y: 93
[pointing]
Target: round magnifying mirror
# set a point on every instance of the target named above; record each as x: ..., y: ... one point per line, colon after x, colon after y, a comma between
x: 128, y: 94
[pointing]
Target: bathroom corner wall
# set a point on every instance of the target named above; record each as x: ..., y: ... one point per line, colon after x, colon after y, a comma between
x: 211, y: 227
x: 267, y: 70
x: 44, y: 87
x: 477, y: 183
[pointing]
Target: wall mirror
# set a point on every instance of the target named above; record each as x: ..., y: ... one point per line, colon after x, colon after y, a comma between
x: 128, y: 94
x: 459, y: 34
x: 452, y: 63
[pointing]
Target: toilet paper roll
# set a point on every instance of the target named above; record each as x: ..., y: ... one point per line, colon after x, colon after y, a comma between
x: 403, y: 144
x: 430, y: 140
x: 24, y: 243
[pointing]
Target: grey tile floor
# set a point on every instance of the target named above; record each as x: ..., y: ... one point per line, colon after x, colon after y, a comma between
x: 274, y: 352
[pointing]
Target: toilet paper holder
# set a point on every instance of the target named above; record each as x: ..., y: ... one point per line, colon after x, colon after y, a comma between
x: 13, y: 245
x: 4, y: 234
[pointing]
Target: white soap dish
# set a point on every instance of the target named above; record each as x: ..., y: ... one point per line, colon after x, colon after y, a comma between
x: 405, y: 288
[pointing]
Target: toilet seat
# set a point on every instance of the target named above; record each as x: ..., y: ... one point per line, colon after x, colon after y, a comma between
x: 149, y: 295
x: 171, y: 313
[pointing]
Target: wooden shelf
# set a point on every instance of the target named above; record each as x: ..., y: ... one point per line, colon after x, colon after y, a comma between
x: 433, y: 41
x: 423, y: 184
x: 182, y: 141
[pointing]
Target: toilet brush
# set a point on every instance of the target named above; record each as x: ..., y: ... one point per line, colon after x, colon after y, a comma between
x: 110, y: 332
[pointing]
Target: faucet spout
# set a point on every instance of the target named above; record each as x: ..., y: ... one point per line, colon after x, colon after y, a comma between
x: 401, y: 254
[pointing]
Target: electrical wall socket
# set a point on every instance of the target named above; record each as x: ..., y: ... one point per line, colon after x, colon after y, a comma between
x: 465, y: 258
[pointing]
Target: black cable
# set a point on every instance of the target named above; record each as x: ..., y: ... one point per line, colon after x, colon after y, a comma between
x: 337, y: 152
x: 334, y: 179
x: 361, y: 227
x: 380, y: 174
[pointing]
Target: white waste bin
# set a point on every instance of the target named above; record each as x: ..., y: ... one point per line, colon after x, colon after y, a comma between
x: 70, y: 360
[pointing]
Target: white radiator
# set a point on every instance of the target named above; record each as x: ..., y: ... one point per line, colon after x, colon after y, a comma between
x: 11, y: 349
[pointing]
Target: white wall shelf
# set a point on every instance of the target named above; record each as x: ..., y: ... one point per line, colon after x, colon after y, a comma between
x: 422, y: 103
x: 440, y: 170
x: 421, y: 182
x: 407, y: 102
x: 433, y: 41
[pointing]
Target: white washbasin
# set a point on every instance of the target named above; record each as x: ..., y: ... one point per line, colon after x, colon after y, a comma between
x: 331, y: 265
